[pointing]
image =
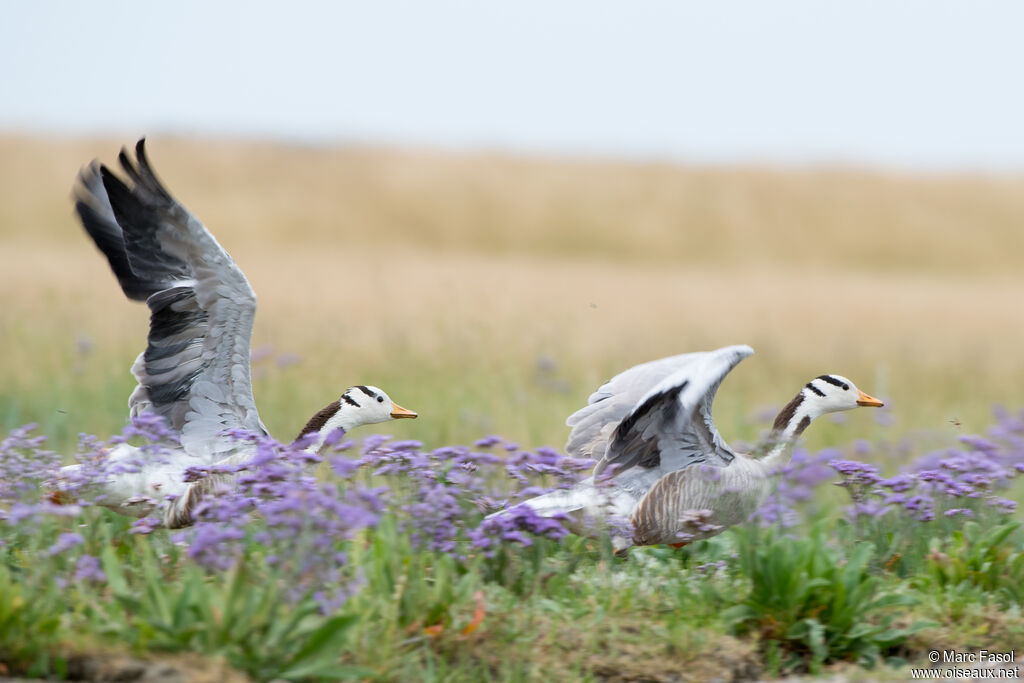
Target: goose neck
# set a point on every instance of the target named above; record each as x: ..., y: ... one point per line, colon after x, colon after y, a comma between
x: 331, y: 418
x: 790, y: 423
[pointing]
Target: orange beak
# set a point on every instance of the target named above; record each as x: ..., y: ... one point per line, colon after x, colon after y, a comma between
x: 870, y: 401
x: 398, y: 411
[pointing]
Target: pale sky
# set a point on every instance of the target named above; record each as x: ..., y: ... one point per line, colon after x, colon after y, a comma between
x: 925, y: 84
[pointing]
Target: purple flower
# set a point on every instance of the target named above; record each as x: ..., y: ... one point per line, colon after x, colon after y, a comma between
x: 860, y: 479
x: 980, y: 444
x: 146, y: 525
x: 344, y: 466
x: 24, y: 464
x: 65, y: 542
x: 921, y: 507
x: 88, y: 569
x: 868, y: 508
x: 216, y: 545
x: 334, y: 438
x: 861, y: 472
x: 1003, y: 505
x: 773, y: 512
x: 511, y: 525
x: 195, y: 473
x: 899, y: 484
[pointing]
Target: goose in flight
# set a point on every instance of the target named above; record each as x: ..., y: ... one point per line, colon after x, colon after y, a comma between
x: 661, y: 463
x: 195, y: 371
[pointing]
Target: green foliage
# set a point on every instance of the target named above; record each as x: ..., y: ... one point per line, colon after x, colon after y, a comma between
x: 406, y: 588
x: 239, y: 616
x: 812, y: 605
x: 30, y: 625
x: 974, y: 556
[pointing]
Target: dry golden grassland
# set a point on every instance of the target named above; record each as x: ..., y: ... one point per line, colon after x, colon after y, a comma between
x: 493, y: 293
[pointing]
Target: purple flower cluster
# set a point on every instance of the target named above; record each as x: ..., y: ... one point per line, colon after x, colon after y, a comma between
x: 436, y: 491
x: 88, y: 569
x: 298, y: 513
x: 953, y: 483
x: 65, y: 542
x: 24, y: 464
x: 799, y: 480
x: 301, y: 523
x: 145, y: 440
x: 273, y: 505
x: 427, y: 487
x: 516, y: 525
x: 956, y: 482
x: 553, y: 468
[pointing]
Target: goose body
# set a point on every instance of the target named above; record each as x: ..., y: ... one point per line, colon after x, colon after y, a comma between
x: 195, y: 370
x: 662, y: 466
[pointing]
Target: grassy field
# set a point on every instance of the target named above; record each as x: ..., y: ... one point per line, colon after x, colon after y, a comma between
x: 492, y: 294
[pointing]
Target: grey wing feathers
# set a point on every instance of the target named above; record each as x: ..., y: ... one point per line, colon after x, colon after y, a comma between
x: 195, y: 369
x: 670, y: 427
x: 593, y: 424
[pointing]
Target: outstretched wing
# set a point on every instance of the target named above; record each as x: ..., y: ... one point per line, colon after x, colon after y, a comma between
x: 195, y: 369
x: 593, y: 424
x: 670, y: 427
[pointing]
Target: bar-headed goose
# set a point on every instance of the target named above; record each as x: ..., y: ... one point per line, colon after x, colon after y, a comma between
x: 195, y: 370
x: 661, y: 462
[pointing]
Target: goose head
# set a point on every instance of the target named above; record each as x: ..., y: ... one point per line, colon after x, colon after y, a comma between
x: 824, y: 394
x: 833, y: 393
x: 363, y: 405
x: 357, y: 406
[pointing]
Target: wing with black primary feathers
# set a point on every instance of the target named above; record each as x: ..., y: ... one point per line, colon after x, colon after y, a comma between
x: 195, y: 369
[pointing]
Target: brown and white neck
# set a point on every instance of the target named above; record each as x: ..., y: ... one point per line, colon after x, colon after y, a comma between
x: 790, y: 423
x: 330, y: 418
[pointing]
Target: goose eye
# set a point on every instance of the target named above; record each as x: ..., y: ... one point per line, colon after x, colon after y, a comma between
x: 846, y: 387
x: 380, y: 399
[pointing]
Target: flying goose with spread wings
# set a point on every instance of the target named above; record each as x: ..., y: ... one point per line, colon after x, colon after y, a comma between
x: 195, y: 370
x: 662, y: 465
